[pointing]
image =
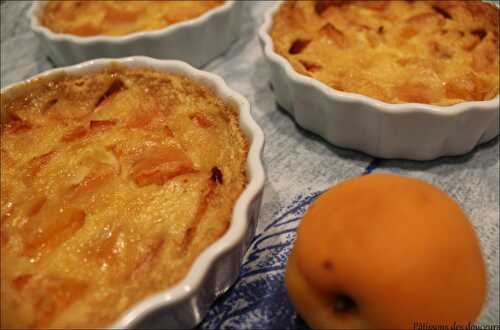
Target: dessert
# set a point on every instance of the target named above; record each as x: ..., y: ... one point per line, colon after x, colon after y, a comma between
x: 431, y: 52
x: 387, y: 252
x: 116, y: 18
x: 112, y: 183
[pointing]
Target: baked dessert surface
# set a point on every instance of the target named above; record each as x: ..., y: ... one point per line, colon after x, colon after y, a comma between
x: 432, y: 52
x: 116, y: 18
x: 112, y: 183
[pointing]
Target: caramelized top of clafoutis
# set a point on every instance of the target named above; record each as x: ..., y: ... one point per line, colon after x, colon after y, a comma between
x: 112, y: 183
x: 117, y: 18
x: 432, y: 52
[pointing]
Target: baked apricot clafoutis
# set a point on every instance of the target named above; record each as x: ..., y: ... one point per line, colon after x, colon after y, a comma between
x: 116, y: 18
x: 112, y: 183
x: 431, y: 52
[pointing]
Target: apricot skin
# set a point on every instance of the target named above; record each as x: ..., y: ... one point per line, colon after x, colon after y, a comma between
x: 399, y: 247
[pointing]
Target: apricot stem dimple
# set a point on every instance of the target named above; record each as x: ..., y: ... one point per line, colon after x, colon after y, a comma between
x: 327, y: 265
x: 344, y: 303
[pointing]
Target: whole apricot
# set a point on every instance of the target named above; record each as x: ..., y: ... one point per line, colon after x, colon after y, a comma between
x: 386, y: 251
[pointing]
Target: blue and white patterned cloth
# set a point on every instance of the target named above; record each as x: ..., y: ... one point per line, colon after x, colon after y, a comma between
x: 259, y: 300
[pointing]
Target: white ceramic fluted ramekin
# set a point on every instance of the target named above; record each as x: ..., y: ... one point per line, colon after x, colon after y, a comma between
x: 195, y: 41
x: 409, y: 130
x: 217, y: 267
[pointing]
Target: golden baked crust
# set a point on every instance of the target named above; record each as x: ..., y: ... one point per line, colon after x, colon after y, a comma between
x: 433, y: 52
x: 116, y: 18
x: 112, y: 183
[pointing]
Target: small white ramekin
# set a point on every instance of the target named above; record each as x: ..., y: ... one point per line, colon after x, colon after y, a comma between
x: 410, y: 130
x: 195, y: 41
x: 217, y: 267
